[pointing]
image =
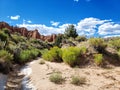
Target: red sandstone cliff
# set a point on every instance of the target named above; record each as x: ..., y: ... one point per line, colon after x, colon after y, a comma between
x: 25, y: 32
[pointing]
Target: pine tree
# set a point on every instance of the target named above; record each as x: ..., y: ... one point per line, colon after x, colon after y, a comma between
x: 70, y: 31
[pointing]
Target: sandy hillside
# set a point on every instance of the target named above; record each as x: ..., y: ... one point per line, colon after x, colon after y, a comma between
x: 97, y: 78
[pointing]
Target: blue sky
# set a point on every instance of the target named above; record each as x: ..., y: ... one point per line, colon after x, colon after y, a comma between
x: 90, y: 17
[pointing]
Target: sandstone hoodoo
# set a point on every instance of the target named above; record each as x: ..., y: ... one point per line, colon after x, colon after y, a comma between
x: 28, y: 33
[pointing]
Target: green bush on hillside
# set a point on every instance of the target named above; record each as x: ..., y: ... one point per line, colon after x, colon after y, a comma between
x: 98, y: 59
x: 118, y: 53
x: 80, y: 38
x: 115, y: 43
x: 58, y: 40
x: 6, y: 56
x: 5, y: 61
x: 27, y: 55
x: 71, y: 55
x: 3, y: 36
x: 5, y: 30
x: 83, y: 50
x: 98, y: 44
x: 54, y: 54
x: 18, y: 38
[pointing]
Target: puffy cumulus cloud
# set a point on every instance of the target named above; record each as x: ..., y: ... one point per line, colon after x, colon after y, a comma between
x: 109, y: 28
x: 54, y: 23
x: 14, y: 17
x: 88, y: 26
x: 43, y: 29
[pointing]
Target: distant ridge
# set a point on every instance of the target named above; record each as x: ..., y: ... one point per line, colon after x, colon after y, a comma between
x: 28, y: 33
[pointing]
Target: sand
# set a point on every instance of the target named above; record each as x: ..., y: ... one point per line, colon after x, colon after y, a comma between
x: 97, y: 78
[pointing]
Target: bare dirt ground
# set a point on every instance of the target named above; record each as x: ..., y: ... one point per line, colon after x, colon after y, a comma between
x: 97, y: 78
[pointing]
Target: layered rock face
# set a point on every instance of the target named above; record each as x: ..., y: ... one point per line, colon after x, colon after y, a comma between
x: 25, y: 32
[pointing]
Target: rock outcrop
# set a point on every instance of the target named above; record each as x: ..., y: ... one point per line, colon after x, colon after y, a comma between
x: 28, y: 33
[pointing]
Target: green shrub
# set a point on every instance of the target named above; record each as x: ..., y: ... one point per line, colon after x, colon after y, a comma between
x: 58, y: 40
x: 98, y: 44
x: 76, y: 80
x: 43, y: 51
x: 6, y: 56
x: 56, y: 78
x: 11, y: 47
x: 27, y: 55
x: 71, y: 55
x: 115, y: 43
x: 35, y: 53
x: 83, y: 50
x: 24, y: 56
x: 5, y: 61
x: 54, y: 54
x: 18, y: 38
x: 80, y: 38
x: 98, y: 59
x: 5, y: 30
x: 3, y: 36
x: 118, y: 53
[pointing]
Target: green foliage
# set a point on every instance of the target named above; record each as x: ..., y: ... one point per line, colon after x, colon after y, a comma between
x: 27, y: 55
x: 70, y: 31
x: 118, y: 53
x: 80, y: 38
x: 54, y: 54
x: 98, y: 44
x: 5, y: 30
x: 18, y: 38
x: 76, y: 80
x: 58, y: 40
x: 115, y: 43
x: 83, y: 50
x: 6, y: 56
x: 71, y: 55
x: 56, y: 78
x: 98, y: 59
x: 3, y: 36
x: 43, y: 51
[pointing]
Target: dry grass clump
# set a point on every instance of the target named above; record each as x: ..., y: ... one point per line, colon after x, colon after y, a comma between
x: 76, y: 80
x: 56, y: 78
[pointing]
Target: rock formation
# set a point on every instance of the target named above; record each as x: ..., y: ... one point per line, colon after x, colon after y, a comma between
x: 27, y: 33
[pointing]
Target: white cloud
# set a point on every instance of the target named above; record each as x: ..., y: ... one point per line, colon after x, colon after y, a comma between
x: 111, y: 36
x: 76, y: 0
x: 54, y: 23
x: 26, y: 21
x: 15, y: 17
x: 88, y: 26
x: 109, y: 28
x: 43, y: 29
x: 29, y: 21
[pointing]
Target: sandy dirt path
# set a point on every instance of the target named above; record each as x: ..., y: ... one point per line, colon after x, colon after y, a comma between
x: 97, y: 78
